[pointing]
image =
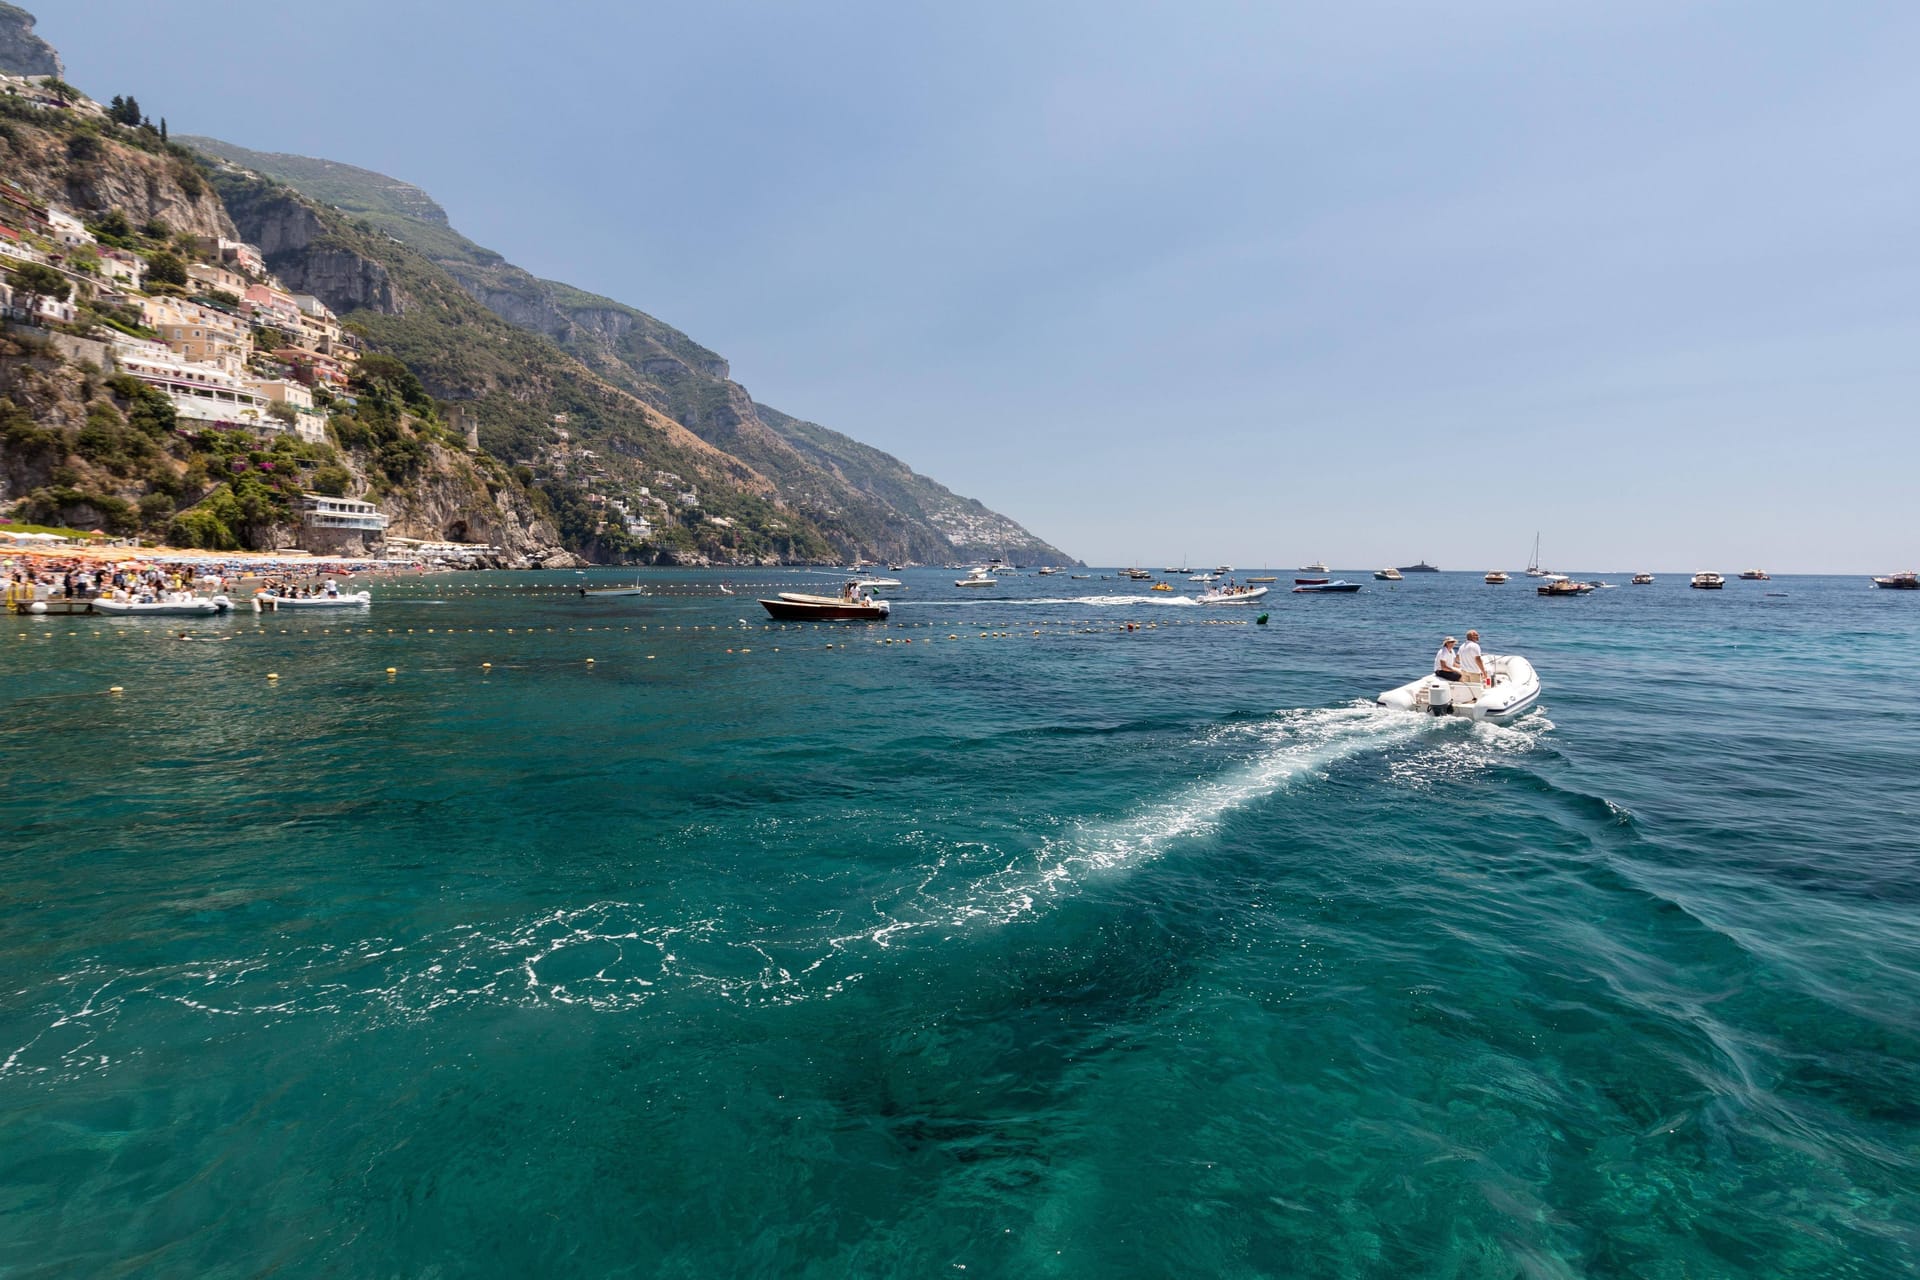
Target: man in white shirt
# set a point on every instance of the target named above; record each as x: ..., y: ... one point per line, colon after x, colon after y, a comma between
x: 1472, y: 665
x: 1445, y: 664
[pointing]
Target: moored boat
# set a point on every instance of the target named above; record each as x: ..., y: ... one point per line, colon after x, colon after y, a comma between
x: 1514, y: 688
x: 1642, y: 579
x: 1495, y: 578
x: 1755, y: 575
x: 1422, y: 567
x: 168, y: 604
x: 1707, y: 580
x: 635, y: 590
x: 1908, y: 581
x: 1386, y: 575
x: 1316, y: 567
x: 979, y: 576
x: 1263, y: 577
x: 273, y: 601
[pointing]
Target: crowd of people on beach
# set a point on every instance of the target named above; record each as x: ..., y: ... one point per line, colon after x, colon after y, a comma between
x: 82, y: 580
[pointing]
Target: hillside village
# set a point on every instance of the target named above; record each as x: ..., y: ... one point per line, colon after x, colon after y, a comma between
x: 197, y: 353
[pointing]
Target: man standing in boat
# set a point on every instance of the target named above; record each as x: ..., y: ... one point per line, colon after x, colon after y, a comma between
x: 1472, y: 665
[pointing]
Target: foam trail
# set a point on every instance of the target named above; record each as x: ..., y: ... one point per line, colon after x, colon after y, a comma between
x: 1098, y: 602
x: 1293, y: 744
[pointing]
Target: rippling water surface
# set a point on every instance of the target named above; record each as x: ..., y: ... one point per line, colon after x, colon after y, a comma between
x: 1035, y: 946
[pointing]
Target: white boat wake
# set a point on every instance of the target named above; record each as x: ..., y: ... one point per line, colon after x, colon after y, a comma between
x: 614, y: 954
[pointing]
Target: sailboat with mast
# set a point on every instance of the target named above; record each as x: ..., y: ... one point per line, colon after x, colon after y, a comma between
x: 1533, y: 566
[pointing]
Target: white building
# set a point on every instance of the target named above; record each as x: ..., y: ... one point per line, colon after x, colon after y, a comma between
x: 200, y: 392
x: 67, y: 229
x: 320, y: 511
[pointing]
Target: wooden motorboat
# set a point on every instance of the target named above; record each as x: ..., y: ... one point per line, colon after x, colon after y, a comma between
x: 1898, y: 582
x: 851, y: 605
x: 1564, y: 587
x: 1495, y: 578
x: 1755, y: 575
x: 1642, y: 579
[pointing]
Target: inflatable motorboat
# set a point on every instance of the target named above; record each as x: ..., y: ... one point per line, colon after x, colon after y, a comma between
x: 1515, y: 688
x: 172, y: 604
x: 267, y: 600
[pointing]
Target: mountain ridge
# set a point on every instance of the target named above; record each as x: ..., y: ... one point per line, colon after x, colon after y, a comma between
x: 885, y: 509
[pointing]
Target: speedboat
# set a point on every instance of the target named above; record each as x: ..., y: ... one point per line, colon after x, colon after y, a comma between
x: 1755, y: 575
x: 1706, y: 580
x: 1495, y: 578
x: 264, y: 601
x: 1386, y: 575
x: 1231, y: 595
x: 849, y: 605
x: 1562, y: 586
x: 977, y: 577
x: 1642, y: 579
x: 1908, y: 581
x: 1338, y: 586
x: 167, y: 604
x: 1515, y: 687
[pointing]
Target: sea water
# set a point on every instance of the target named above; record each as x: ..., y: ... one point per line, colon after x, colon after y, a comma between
x: 1038, y: 946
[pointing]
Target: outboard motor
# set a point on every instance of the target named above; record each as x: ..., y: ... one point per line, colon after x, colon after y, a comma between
x: 1439, y: 697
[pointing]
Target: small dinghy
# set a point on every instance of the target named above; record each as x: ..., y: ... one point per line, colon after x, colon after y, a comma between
x: 172, y: 604
x: 272, y: 602
x: 1515, y: 688
x: 635, y: 590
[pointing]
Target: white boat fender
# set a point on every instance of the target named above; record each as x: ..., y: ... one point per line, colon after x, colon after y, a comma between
x: 1439, y: 696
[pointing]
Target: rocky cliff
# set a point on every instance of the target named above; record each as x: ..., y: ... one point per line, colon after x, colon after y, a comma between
x: 90, y: 166
x: 866, y: 502
x: 22, y: 53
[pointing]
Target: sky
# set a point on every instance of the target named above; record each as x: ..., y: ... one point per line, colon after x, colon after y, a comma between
x: 1248, y: 283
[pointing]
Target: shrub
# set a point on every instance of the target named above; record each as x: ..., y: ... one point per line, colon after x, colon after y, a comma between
x: 165, y: 267
x: 330, y: 480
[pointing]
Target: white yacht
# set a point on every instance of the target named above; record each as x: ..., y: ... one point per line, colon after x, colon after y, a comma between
x: 1707, y: 580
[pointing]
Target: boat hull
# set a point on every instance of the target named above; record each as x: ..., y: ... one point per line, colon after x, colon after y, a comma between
x: 265, y: 601
x: 198, y: 608
x: 1515, y: 690
x: 1248, y: 596
x: 1337, y: 588
x: 823, y: 610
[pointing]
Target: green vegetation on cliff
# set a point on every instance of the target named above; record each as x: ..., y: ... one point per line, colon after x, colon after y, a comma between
x: 862, y: 500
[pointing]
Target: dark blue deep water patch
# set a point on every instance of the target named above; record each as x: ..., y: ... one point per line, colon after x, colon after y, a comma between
x: 1080, y: 953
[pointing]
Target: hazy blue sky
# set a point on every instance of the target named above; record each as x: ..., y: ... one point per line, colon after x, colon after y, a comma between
x: 1251, y: 282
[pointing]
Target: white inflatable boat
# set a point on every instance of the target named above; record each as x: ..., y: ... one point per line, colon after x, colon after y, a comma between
x: 1515, y: 688
x: 172, y: 604
x: 267, y: 600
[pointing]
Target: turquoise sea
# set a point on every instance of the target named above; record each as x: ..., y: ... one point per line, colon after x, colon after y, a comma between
x: 1033, y: 947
